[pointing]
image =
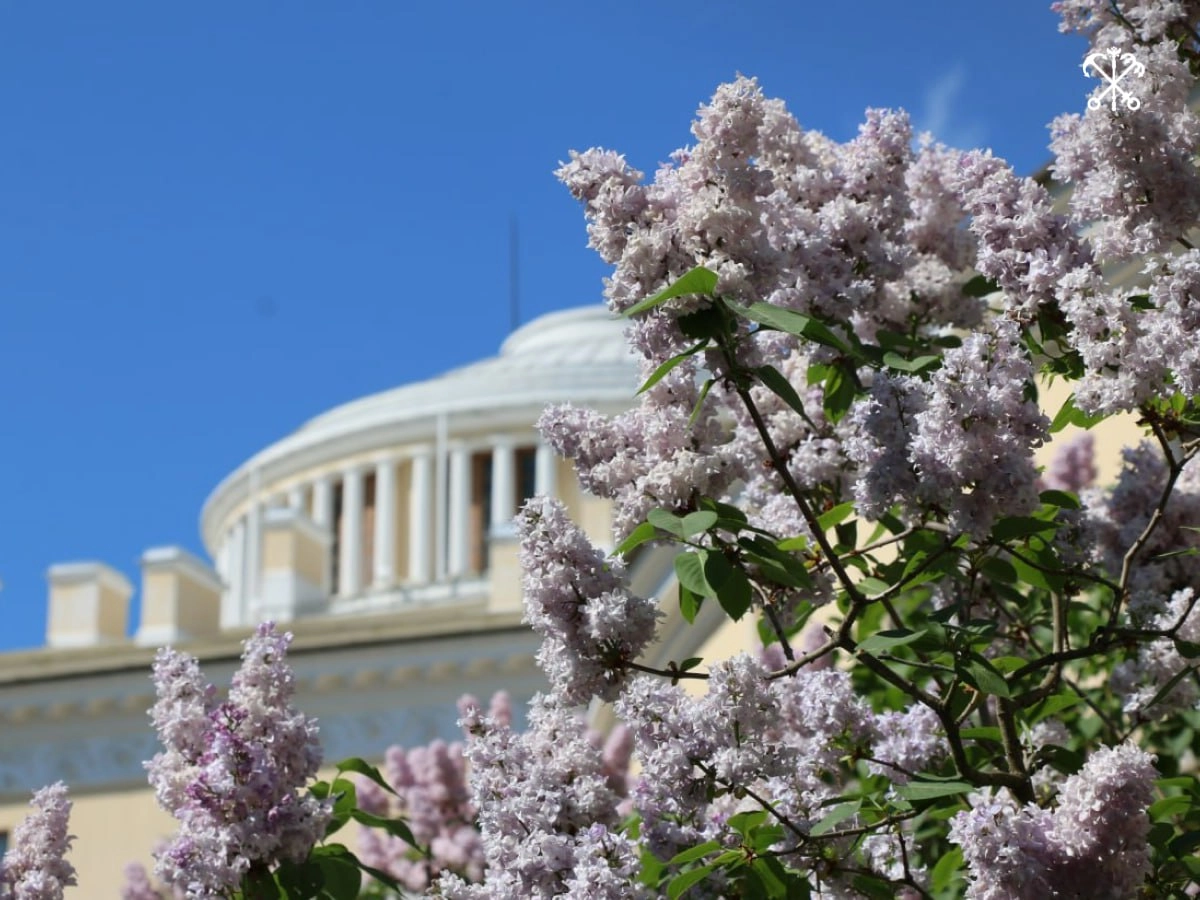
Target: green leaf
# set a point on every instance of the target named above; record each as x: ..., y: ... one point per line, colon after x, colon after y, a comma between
x: 1070, y: 414
x: 395, y: 827
x: 945, y: 873
x: 663, y: 370
x: 884, y: 641
x: 364, y: 768
x: 782, y: 388
x: 914, y: 366
x: 1061, y: 499
x: 980, y: 286
x: 260, y: 884
x: 700, y: 401
x: 835, y: 516
x: 665, y: 520
x: 689, y: 569
x: 637, y: 537
x: 1015, y: 527
x: 694, y: 853
x: 982, y: 733
x: 697, y: 281
x: 792, y: 322
x: 840, y: 391
x: 689, y: 604
x: 918, y: 790
x: 300, y: 879
x: 743, y: 822
x: 698, y: 522
x: 735, y: 594
x: 1185, y: 845
x: 680, y: 883
x: 1169, y: 807
x: 1052, y: 706
x: 873, y: 587
x: 1187, y: 649
x: 982, y: 675
x: 836, y: 817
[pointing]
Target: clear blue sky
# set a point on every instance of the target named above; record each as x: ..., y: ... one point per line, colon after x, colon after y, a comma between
x: 220, y: 219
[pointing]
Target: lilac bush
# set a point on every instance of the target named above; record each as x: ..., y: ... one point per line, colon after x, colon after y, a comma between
x: 979, y: 675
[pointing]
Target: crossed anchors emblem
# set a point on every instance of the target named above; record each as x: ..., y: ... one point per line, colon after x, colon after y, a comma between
x: 1119, y: 66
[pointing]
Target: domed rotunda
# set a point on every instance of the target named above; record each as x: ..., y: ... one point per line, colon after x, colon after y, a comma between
x: 380, y: 532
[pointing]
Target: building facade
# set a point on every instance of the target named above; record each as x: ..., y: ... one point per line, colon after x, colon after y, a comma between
x: 379, y: 533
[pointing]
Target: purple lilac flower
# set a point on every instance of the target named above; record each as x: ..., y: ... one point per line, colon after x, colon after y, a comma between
x: 35, y: 866
x: 232, y: 772
x: 1094, y: 844
x: 592, y: 626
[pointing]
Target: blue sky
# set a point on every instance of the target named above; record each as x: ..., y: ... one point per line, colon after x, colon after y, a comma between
x: 218, y: 220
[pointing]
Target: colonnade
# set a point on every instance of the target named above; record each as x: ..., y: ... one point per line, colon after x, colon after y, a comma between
x: 436, y: 522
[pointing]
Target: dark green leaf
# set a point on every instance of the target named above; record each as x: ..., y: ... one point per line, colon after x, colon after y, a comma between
x: 836, y: 817
x: 395, y: 827
x: 835, y: 516
x: 637, y: 537
x: 680, y: 883
x: 743, y: 822
x: 364, y: 768
x: 689, y: 604
x: 689, y: 569
x: 1014, y: 527
x: 885, y: 641
x: 665, y: 520
x: 792, y: 322
x: 918, y: 790
x: 782, y: 388
x: 980, y: 286
x: 663, y: 370
x: 912, y: 366
x: 697, y: 281
x: 981, y: 674
x: 840, y: 391
x: 698, y: 522
x: 694, y: 853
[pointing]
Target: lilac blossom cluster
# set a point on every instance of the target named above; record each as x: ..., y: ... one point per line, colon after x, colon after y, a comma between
x: 432, y: 795
x: 1093, y: 844
x: 960, y: 443
x: 548, y: 814
x: 593, y: 627
x: 233, y: 772
x: 35, y: 866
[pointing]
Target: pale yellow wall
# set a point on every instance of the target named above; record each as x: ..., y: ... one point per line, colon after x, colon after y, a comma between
x: 278, y: 549
x: 87, y: 609
x: 1111, y: 435
x: 310, y: 556
x: 199, y: 607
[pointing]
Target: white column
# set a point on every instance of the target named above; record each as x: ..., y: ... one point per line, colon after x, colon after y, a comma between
x: 350, y: 563
x: 504, y: 489
x: 295, y: 498
x: 252, y: 582
x: 460, y: 507
x: 440, y: 491
x: 385, y: 523
x: 322, y: 501
x: 420, y: 496
x: 235, y: 578
x: 544, y: 471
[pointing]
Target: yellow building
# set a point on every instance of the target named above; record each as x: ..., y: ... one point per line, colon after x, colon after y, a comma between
x: 379, y: 532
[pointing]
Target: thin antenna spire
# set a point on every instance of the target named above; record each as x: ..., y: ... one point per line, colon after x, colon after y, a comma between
x: 514, y: 275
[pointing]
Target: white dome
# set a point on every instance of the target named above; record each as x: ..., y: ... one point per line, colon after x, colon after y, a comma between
x: 576, y: 355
